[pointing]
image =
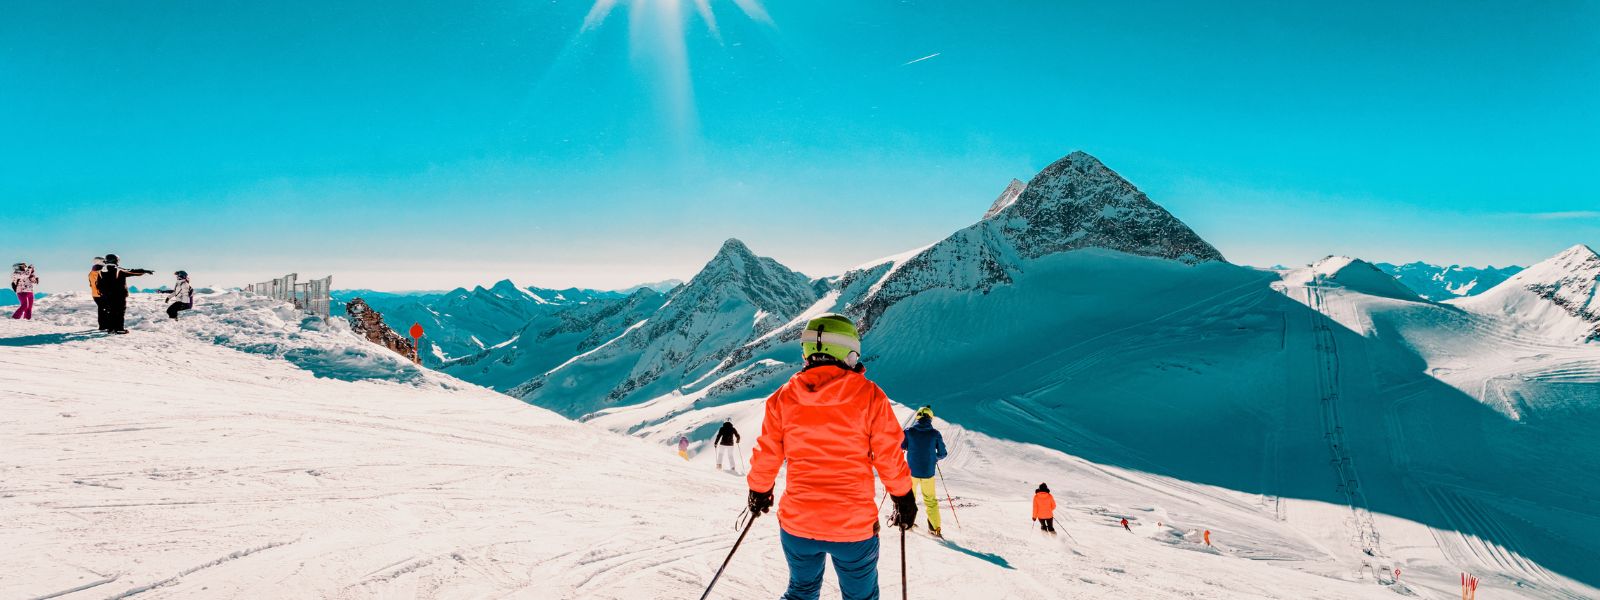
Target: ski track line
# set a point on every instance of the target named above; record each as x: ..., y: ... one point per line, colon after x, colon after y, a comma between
x: 236, y: 555
x: 75, y: 590
x: 662, y: 556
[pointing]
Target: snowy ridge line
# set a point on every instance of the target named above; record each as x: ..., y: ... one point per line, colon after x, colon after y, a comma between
x: 236, y: 555
x: 574, y: 359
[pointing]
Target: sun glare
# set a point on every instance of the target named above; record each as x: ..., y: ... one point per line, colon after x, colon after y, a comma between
x: 657, y: 36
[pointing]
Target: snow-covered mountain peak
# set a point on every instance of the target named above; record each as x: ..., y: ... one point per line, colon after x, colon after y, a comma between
x: 506, y: 288
x: 1077, y: 202
x: 734, y: 250
x: 1006, y: 198
x: 1572, y: 266
x: 1353, y: 274
x: 1579, y: 252
x: 1557, y: 296
x: 765, y: 282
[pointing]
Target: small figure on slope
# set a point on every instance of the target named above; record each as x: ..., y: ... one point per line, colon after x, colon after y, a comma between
x: 1208, y: 537
x: 181, y: 296
x: 727, y: 436
x: 95, y: 271
x: 683, y: 447
x: 113, y: 286
x: 924, y: 448
x: 1125, y: 525
x: 835, y: 428
x: 1044, y: 509
x: 23, y: 282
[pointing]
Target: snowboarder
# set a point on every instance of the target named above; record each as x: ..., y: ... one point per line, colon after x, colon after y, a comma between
x: 924, y: 448
x: 834, y: 427
x: 181, y: 296
x: 23, y: 282
x: 94, y: 290
x: 113, y: 286
x: 727, y: 436
x: 1208, y: 537
x: 1044, y: 509
x: 1125, y: 525
x: 683, y: 447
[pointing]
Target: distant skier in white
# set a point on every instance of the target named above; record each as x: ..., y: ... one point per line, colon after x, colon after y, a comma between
x: 727, y: 436
x: 181, y: 296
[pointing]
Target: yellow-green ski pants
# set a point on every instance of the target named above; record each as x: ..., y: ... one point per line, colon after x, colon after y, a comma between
x: 930, y: 498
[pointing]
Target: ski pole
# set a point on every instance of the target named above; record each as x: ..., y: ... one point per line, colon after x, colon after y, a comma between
x: 904, y: 593
x: 947, y: 498
x: 729, y: 559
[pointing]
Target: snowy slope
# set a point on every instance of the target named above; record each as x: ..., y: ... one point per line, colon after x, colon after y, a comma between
x: 210, y: 472
x: 735, y: 298
x: 550, y: 340
x: 1150, y: 359
x: 1443, y: 283
x: 1555, y: 298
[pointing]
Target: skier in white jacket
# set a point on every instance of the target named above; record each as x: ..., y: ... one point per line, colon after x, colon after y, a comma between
x: 182, y: 295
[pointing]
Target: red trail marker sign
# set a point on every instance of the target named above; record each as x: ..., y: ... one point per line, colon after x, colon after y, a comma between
x: 416, y: 339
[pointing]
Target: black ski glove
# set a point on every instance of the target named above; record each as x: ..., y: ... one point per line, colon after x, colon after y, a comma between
x: 760, y: 502
x: 905, y: 511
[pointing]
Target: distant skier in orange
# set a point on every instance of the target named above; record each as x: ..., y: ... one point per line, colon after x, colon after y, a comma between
x: 1044, y: 509
x: 1208, y: 537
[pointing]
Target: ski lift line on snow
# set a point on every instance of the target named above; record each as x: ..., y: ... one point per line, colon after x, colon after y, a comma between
x: 314, y: 296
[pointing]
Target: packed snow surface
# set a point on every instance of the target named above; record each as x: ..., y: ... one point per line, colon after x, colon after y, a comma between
x: 168, y: 463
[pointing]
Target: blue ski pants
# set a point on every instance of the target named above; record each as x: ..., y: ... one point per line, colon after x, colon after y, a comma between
x: 856, y: 564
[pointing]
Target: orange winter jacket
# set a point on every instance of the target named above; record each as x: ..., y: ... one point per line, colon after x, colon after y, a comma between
x: 834, y: 427
x: 1044, y: 505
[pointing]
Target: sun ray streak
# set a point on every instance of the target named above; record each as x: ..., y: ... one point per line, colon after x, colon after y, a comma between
x: 598, y: 13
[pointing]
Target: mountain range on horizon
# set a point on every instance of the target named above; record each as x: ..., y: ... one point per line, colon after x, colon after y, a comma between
x: 1080, y: 315
x: 1324, y: 419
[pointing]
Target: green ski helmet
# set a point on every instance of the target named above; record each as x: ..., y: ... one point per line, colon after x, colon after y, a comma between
x: 834, y: 335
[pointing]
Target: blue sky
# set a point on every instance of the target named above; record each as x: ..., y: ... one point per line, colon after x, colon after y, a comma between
x: 413, y: 146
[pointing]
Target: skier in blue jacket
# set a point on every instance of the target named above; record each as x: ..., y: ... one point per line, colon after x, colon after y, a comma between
x: 924, y: 448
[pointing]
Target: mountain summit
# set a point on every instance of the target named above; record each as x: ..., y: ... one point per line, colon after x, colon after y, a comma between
x: 1557, y: 296
x: 733, y: 299
x: 1077, y: 202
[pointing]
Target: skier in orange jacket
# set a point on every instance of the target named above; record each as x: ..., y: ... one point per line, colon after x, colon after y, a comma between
x: 834, y: 428
x: 1044, y: 508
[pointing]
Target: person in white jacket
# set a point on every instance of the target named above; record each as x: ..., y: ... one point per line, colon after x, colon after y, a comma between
x: 182, y: 295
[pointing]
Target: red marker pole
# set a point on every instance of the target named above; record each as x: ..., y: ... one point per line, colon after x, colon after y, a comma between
x: 416, y: 343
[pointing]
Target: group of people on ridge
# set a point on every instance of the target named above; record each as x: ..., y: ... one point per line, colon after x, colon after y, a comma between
x: 108, y: 285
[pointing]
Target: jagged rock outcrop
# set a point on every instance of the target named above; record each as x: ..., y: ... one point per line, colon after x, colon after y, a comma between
x: 369, y: 324
x: 1006, y: 198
